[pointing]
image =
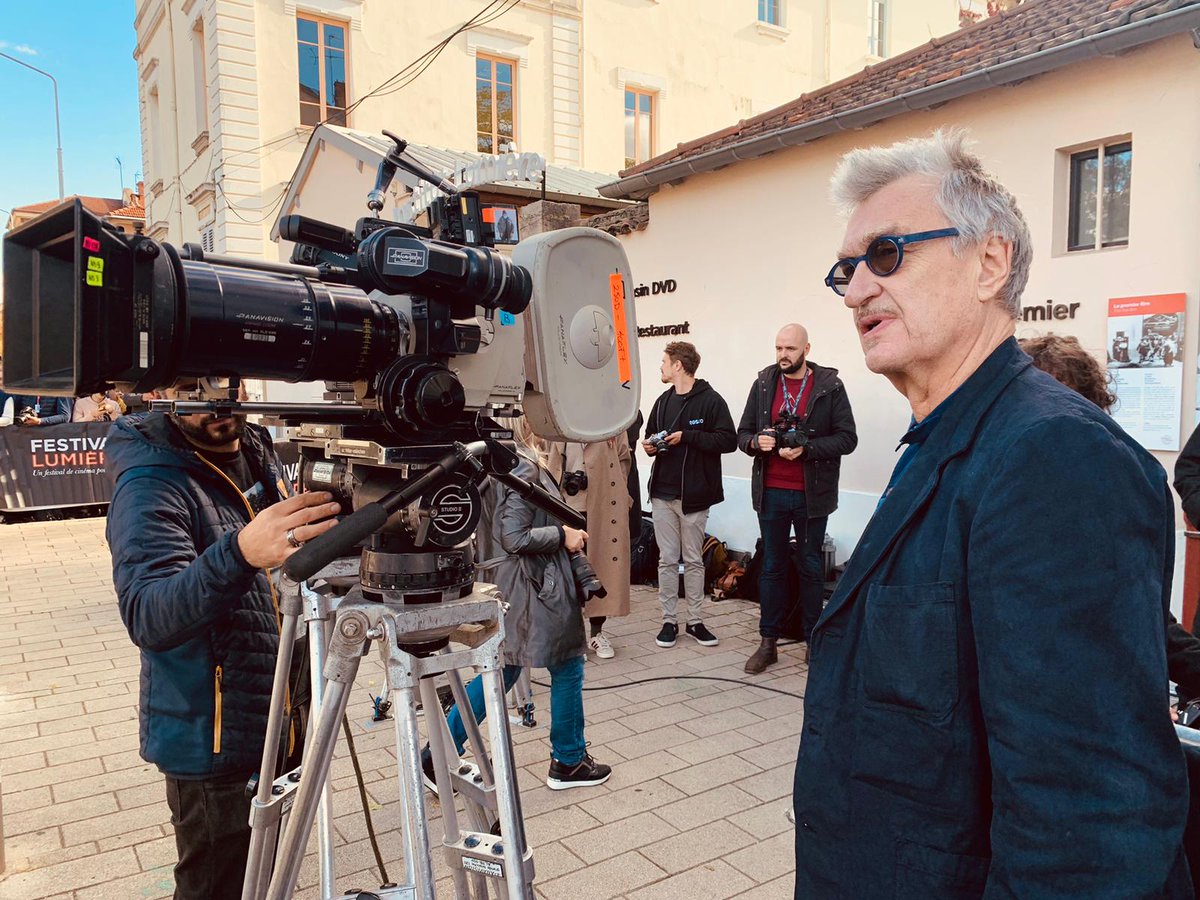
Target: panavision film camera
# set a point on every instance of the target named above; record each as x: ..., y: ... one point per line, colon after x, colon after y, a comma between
x: 421, y: 336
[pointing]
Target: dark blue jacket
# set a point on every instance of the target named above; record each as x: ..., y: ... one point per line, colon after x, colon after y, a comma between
x: 205, y: 620
x: 986, y: 713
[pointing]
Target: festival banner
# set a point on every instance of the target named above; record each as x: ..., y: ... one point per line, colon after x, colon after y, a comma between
x: 53, y: 465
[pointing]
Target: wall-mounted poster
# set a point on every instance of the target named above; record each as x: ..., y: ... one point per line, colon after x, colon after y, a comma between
x: 1145, y: 338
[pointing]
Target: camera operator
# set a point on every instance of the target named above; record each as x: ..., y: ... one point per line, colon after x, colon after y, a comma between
x: 34, y: 410
x: 797, y: 425
x: 96, y: 408
x: 688, y: 429
x: 199, y: 516
x: 594, y: 481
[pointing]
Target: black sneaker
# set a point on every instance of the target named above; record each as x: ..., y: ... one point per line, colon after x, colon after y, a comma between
x: 586, y: 773
x: 666, y: 637
x: 703, y: 636
x: 428, y: 774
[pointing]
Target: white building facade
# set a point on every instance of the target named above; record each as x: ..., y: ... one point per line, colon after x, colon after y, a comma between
x: 231, y: 89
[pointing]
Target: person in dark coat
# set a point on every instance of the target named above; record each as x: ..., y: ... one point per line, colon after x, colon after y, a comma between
x: 525, y: 552
x: 199, y: 517
x: 984, y: 709
x: 793, y: 488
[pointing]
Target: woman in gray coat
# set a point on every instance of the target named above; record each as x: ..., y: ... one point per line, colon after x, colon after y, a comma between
x: 524, y: 551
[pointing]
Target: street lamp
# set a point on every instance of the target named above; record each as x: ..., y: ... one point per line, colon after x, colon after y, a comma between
x: 57, y: 126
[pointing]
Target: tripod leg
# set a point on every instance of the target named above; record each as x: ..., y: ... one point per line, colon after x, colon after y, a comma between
x: 438, y: 732
x: 418, y: 858
x: 350, y: 632
x: 262, y: 837
x: 317, y: 649
x: 511, y: 825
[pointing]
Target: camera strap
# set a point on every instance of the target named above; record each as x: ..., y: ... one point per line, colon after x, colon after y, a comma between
x: 790, y: 404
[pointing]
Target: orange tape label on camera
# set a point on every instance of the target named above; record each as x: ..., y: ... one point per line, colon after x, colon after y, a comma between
x: 616, y: 290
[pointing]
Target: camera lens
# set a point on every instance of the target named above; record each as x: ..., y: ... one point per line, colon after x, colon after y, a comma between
x: 284, y: 327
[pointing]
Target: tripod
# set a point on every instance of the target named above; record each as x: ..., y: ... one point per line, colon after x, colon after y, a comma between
x: 404, y: 633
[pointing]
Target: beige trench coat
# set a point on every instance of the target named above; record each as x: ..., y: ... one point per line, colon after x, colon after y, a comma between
x: 606, y: 503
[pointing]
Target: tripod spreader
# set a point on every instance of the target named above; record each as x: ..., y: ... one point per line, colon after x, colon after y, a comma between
x: 486, y: 457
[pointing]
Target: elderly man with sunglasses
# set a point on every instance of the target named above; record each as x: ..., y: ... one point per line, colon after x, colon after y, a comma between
x: 982, y: 710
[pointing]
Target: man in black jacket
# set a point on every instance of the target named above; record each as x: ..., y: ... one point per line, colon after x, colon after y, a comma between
x: 197, y: 519
x: 797, y: 425
x: 693, y: 427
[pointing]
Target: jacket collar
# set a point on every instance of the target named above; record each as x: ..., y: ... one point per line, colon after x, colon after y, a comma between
x: 954, y: 434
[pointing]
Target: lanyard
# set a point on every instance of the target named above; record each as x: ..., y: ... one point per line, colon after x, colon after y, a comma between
x: 790, y: 404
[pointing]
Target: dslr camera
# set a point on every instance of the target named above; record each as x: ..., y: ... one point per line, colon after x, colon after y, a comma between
x: 659, y: 442
x: 574, y: 482
x: 789, y: 433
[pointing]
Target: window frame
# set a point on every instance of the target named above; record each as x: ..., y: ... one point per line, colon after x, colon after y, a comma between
x: 765, y: 8
x: 323, y: 104
x: 495, y: 59
x: 200, y: 73
x: 637, y: 93
x: 1100, y: 152
x: 877, y: 36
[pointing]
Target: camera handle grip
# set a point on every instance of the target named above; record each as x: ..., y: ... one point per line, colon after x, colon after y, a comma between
x: 338, y: 541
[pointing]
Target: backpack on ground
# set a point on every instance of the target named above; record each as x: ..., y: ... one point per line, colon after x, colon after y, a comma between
x: 643, y: 555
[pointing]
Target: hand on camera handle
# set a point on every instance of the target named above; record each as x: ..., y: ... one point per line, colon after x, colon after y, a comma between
x: 573, y: 538
x: 766, y: 441
x: 264, y: 542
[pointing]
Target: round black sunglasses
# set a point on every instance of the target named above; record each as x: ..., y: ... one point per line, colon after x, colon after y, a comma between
x: 883, y: 257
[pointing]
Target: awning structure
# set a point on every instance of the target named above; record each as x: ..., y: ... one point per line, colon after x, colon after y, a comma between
x: 337, y: 170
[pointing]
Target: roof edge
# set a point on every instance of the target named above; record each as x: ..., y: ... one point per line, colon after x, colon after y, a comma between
x: 1124, y: 37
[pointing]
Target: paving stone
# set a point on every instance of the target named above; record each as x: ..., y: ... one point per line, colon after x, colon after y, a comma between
x: 715, y: 879
x: 707, y: 807
x: 631, y: 800
x: 618, y: 837
x: 697, y: 846
x: 765, y: 820
x: 705, y: 776
x: 766, y: 860
x: 612, y: 878
x: 74, y: 874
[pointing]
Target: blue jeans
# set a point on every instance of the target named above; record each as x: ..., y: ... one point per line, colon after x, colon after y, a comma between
x: 779, y: 513
x: 566, y: 709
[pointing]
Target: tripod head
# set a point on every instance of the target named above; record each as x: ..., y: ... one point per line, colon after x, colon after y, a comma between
x: 415, y: 509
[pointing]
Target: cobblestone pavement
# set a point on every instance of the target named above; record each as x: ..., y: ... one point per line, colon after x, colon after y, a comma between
x: 702, y: 770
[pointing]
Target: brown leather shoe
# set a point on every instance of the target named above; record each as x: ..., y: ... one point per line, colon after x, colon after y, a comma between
x: 765, y: 655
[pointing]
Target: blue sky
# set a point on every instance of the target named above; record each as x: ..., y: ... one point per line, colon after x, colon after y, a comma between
x: 88, y: 48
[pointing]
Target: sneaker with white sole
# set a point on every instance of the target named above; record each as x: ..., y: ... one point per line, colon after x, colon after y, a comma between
x: 702, y: 635
x: 601, y: 647
x: 585, y: 773
x: 666, y: 637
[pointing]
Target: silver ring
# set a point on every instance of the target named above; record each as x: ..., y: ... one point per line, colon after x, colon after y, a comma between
x: 291, y: 538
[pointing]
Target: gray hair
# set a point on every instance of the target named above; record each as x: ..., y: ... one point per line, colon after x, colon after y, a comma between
x: 971, y: 198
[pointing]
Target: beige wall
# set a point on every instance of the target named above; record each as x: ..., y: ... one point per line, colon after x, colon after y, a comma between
x: 710, y: 61
x: 738, y: 283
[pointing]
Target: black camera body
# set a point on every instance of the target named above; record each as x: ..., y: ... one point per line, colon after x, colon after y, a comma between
x: 574, y: 482
x: 659, y: 442
x: 789, y: 433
